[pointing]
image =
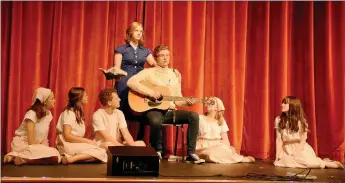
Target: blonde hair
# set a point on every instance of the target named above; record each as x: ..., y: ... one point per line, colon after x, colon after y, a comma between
x: 219, y: 117
x: 130, y: 30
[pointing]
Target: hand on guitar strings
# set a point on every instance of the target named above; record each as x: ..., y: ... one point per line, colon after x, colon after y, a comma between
x: 156, y: 95
x: 172, y: 107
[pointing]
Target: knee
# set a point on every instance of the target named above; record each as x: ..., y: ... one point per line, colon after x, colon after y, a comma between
x: 156, y: 122
x: 194, y: 118
x: 140, y: 143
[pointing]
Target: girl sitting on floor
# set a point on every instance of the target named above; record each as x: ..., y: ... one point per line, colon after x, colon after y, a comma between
x: 30, y: 143
x: 71, y: 143
x: 292, y: 149
x: 213, y: 144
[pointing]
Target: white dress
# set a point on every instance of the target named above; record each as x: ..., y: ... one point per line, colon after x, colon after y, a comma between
x: 20, y: 146
x: 209, y: 145
x: 68, y: 149
x: 290, y: 156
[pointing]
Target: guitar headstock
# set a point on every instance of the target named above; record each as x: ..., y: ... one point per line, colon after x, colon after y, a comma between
x: 209, y: 101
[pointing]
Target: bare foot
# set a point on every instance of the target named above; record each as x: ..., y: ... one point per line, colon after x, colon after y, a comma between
x: 337, y: 163
x: 18, y: 160
x: 251, y: 159
x: 8, y: 158
x: 340, y: 166
x: 64, y: 160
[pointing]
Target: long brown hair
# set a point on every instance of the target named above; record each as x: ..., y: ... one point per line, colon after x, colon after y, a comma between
x: 38, y: 107
x: 75, y: 96
x: 131, y: 29
x: 290, y: 118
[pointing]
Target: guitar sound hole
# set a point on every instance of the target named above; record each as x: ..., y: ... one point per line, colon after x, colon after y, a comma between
x: 160, y: 98
x: 154, y: 103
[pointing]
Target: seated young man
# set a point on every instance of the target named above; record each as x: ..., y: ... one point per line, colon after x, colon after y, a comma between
x: 162, y: 75
x: 109, y: 123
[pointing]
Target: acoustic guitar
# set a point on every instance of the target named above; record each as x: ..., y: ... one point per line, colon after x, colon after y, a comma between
x: 140, y: 103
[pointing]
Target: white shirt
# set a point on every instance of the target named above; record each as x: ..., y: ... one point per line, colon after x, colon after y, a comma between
x: 101, y: 120
x: 210, y: 129
x: 41, y: 125
x: 68, y: 117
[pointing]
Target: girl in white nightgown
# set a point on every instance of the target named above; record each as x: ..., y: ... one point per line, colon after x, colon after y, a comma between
x: 30, y: 143
x: 292, y: 150
x: 212, y: 143
x: 71, y: 130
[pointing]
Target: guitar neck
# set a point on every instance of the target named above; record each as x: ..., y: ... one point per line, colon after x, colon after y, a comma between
x: 175, y: 98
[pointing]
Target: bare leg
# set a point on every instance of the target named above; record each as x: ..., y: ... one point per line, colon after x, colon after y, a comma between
x: 43, y: 161
x: 78, y: 158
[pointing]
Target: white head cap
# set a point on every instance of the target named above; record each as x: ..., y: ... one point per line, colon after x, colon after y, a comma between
x: 41, y: 94
x: 217, y: 105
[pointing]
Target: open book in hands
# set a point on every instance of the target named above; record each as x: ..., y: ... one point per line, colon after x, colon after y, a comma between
x: 113, y: 73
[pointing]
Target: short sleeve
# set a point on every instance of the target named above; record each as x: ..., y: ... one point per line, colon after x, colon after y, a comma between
x: 121, y: 118
x: 224, y: 128
x: 120, y: 49
x: 68, y: 118
x: 98, y: 122
x: 148, y: 51
x: 276, y: 122
x: 31, y: 115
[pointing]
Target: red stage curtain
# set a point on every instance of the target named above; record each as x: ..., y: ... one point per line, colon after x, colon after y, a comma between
x: 249, y: 54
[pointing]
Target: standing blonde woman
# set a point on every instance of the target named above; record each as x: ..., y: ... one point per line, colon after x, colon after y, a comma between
x: 292, y: 149
x: 131, y: 58
x: 213, y: 143
x: 30, y: 143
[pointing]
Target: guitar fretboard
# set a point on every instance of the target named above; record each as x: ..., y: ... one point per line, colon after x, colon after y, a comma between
x: 175, y: 98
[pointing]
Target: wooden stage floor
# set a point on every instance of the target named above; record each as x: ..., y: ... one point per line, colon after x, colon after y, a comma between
x: 169, y: 172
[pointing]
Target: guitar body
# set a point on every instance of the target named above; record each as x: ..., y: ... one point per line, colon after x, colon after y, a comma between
x: 141, y: 103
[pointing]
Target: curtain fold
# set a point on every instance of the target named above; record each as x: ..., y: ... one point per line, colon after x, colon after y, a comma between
x: 249, y: 54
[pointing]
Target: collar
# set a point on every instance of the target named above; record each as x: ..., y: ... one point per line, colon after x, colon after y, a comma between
x: 161, y: 69
x: 129, y: 45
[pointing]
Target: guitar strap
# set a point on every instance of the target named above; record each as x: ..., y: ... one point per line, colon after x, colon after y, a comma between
x: 179, y: 79
x: 177, y: 75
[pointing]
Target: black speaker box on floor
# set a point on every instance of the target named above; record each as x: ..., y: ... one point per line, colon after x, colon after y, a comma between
x: 132, y: 161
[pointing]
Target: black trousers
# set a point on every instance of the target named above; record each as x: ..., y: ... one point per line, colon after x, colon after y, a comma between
x: 155, y: 118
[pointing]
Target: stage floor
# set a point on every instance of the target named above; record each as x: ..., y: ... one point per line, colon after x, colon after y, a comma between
x: 169, y: 172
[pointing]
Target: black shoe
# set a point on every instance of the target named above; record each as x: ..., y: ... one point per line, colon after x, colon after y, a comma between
x: 193, y: 158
